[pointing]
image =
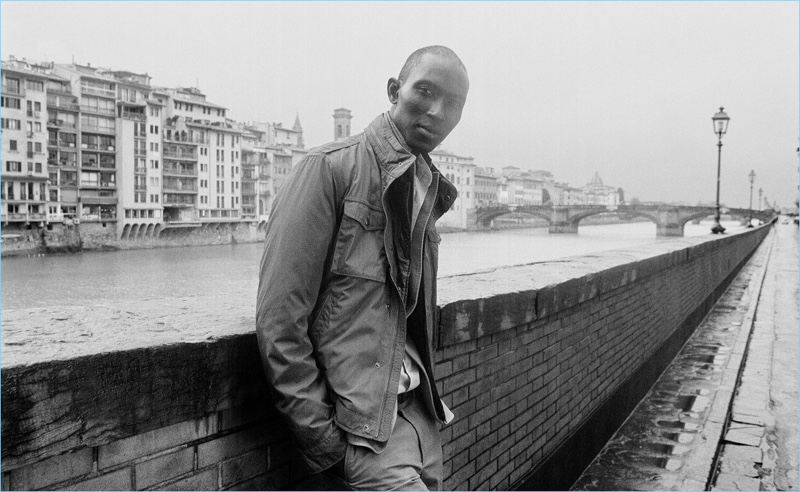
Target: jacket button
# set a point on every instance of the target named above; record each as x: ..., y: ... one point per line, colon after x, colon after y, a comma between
x: 377, y: 364
x: 387, y: 306
x: 366, y: 427
x: 447, y: 198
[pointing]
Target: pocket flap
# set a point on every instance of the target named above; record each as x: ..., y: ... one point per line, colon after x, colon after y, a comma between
x: 370, y: 219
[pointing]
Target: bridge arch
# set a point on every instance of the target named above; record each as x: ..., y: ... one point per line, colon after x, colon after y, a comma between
x: 485, y: 216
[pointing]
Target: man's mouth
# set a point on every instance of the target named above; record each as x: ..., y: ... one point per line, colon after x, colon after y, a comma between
x: 427, y: 132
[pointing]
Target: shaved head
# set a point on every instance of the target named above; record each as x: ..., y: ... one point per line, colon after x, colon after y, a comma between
x: 415, y: 57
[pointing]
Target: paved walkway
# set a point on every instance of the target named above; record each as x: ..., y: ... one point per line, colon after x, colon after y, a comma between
x: 724, y: 414
x: 759, y: 450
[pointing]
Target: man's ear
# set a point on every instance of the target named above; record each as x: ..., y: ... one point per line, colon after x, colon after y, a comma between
x: 392, y: 88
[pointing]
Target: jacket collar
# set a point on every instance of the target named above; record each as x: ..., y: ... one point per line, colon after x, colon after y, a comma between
x: 393, y: 154
x: 394, y: 158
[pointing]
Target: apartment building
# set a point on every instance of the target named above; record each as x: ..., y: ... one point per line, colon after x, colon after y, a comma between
x: 269, y: 153
x: 485, y: 187
x: 25, y: 191
x: 460, y: 171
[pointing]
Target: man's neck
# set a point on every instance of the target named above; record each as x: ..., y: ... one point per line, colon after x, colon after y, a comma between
x: 399, y: 135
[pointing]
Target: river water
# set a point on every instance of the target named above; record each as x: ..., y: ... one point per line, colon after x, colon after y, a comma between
x: 137, y: 275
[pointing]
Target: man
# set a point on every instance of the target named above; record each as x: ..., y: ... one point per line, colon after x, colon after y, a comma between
x: 347, y: 289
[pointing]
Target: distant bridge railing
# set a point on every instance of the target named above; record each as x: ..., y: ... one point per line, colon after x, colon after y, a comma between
x: 564, y: 219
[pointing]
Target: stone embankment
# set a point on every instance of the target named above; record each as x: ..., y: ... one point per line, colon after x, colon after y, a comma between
x: 95, y: 237
x: 170, y: 395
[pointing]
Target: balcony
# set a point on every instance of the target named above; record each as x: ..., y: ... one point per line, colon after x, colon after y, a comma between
x: 96, y: 91
x: 16, y: 217
x: 182, y: 137
x: 130, y: 115
x: 185, y: 155
x: 59, y: 104
x: 56, y: 123
x: 98, y: 129
x: 140, y: 170
x: 101, y: 111
x: 178, y: 201
x: 264, y: 176
x: 177, y: 171
x: 179, y: 187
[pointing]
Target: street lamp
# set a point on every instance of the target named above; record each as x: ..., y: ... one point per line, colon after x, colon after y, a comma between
x: 752, y: 177
x: 760, y: 191
x: 720, y: 121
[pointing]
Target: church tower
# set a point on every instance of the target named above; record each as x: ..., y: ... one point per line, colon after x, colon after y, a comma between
x: 299, y: 129
x: 341, y: 123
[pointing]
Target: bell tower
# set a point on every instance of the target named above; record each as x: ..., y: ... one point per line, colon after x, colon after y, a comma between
x: 341, y: 123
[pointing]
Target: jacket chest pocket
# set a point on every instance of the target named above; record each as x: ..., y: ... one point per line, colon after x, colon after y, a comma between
x: 359, y: 245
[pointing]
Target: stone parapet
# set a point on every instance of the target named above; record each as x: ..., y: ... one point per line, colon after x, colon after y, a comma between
x: 171, y: 395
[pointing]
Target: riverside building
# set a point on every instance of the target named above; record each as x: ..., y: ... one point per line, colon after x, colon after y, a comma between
x: 105, y: 153
x: 25, y: 191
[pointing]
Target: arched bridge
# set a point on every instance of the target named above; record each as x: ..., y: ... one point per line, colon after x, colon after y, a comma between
x: 564, y: 219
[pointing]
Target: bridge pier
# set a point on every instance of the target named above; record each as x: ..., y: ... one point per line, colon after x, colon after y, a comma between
x: 669, y: 230
x: 563, y: 228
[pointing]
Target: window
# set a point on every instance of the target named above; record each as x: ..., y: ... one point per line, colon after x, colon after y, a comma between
x: 154, y: 111
x: 12, y: 145
x: 38, y: 167
x: 153, y: 164
x: 154, y: 129
x: 89, y: 179
x: 15, y: 166
x: 10, y: 124
x: 11, y: 84
x: 69, y: 178
x: 11, y: 102
x: 34, y: 85
x: 38, y: 147
x: 154, y: 146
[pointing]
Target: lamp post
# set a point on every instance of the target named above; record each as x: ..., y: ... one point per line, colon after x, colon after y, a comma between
x: 720, y: 121
x: 760, y: 191
x: 752, y: 177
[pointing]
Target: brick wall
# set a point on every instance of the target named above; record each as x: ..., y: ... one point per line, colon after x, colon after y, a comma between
x: 526, y: 356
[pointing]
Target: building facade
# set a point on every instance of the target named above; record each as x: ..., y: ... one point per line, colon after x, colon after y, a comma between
x: 107, y: 151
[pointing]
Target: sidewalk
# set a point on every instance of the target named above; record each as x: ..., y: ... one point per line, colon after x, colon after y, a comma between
x: 723, y: 415
x: 759, y: 450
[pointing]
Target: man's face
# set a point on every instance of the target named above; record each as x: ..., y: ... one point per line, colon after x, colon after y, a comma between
x: 427, y: 106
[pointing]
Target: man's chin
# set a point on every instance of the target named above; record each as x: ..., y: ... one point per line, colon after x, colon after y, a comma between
x: 424, y: 147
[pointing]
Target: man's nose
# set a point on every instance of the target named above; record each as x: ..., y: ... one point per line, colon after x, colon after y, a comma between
x: 437, y: 109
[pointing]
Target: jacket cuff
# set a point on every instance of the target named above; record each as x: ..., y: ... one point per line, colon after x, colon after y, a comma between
x: 329, y: 451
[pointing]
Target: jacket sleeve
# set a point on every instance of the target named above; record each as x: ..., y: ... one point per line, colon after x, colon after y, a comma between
x: 300, y: 233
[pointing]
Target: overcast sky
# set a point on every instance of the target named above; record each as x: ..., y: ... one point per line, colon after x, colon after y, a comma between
x: 626, y: 89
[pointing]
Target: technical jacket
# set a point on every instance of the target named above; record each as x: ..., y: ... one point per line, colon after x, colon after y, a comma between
x: 340, y: 268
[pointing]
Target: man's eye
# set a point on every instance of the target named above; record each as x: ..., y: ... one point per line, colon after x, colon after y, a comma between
x: 425, y: 91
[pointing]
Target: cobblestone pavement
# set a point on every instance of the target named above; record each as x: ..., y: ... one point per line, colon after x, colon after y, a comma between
x: 723, y: 415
